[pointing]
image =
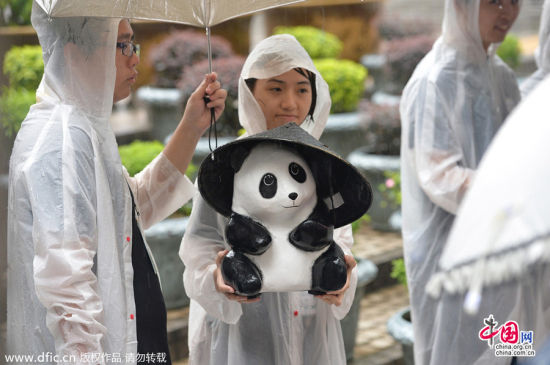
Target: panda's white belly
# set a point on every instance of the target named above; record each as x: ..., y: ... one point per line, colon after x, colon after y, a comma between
x: 285, y: 267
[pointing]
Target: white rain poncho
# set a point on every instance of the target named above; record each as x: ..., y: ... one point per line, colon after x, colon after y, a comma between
x: 451, y: 108
x: 542, y: 53
x: 282, y: 328
x: 70, y: 224
x: 498, y: 251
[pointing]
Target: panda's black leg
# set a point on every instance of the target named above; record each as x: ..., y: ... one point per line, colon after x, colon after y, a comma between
x: 329, y: 271
x: 241, y: 274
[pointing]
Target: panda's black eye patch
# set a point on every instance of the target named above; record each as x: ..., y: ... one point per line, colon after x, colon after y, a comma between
x: 268, y: 186
x: 297, y: 172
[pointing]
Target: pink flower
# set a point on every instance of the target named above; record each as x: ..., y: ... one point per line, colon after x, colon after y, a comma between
x: 390, y: 183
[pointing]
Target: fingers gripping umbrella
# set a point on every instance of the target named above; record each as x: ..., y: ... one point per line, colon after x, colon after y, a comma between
x: 200, y: 13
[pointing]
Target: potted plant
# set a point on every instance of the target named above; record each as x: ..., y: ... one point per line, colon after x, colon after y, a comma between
x: 318, y: 43
x: 400, y: 324
x: 164, y: 238
x: 378, y: 160
x: 175, y: 61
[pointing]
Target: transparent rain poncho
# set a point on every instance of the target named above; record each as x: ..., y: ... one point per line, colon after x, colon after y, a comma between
x: 69, y: 209
x: 496, y: 260
x: 283, y: 328
x: 454, y: 103
x: 542, y: 53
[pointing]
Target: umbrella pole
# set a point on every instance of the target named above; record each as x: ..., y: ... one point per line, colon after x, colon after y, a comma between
x: 212, y: 113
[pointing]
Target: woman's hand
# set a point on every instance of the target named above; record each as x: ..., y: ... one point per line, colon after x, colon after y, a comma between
x: 222, y: 287
x: 336, y: 297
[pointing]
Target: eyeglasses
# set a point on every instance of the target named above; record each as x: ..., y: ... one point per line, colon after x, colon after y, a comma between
x: 128, y: 48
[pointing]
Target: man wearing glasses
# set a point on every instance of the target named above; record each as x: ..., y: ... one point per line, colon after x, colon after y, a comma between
x: 82, y: 288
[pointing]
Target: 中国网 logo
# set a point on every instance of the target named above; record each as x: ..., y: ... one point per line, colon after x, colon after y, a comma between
x: 507, y: 339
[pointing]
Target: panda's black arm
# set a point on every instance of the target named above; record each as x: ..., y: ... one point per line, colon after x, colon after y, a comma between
x: 315, y: 233
x: 246, y: 235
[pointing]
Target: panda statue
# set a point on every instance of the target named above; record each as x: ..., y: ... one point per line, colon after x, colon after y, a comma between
x: 277, y: 226
x: 280, y: 226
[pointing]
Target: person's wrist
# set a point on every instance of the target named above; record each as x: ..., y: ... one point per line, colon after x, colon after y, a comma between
x: 191, y: 129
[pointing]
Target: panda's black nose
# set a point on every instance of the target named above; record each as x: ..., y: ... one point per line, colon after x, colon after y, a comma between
x: 293, y: 196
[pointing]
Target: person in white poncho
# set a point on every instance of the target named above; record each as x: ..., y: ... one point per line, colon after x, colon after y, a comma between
x: 454, y: 103
x: 278, y: 84
x: 542, y: 53
x: 73, y: 225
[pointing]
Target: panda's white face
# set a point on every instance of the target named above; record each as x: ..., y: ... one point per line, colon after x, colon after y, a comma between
x: 274, y: 186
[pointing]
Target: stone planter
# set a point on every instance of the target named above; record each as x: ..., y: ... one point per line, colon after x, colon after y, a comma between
x: 343, y: 133
x: 373, y: 168
x: 366, y: 272
x: 401, y: 329
x: 164, y: 239
x: 164, y: 109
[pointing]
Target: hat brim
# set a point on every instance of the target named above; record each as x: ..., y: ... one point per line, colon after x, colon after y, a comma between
x: 339, y: 183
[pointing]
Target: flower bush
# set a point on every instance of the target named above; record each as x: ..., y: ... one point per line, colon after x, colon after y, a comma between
x: 402, y: 56
x: 391, y: 190
x: 317, y: 43
x: 346, y: 82
x: 510, y: 51
x: 382, y: 126
x: 182, y: 49
x: 23, y: 67
x: 228, y: 70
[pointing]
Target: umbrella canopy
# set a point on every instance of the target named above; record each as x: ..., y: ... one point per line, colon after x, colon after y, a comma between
x: 503, y: 227
x: 201, y: 13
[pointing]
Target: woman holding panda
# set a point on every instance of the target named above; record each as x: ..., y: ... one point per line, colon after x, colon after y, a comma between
x: 278, y: 84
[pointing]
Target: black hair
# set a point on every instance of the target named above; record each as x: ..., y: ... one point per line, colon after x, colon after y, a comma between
x: 251, y: 83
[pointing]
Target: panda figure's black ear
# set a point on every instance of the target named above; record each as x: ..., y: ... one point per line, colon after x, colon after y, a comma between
x: 238, y: 156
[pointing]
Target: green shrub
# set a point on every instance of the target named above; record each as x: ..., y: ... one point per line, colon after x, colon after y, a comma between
x: 346, y: 82
x: 318, y: 43
x: 19, y: 11
x: 510, y: 51
x: 14, y: 106
x: 398, y: 271
x: 24, y: 67
x: 136, y: 155
x: 391, y: 190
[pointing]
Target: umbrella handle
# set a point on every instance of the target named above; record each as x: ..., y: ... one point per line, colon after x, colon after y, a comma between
x: 212, y: 126
x: 207, y: 99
